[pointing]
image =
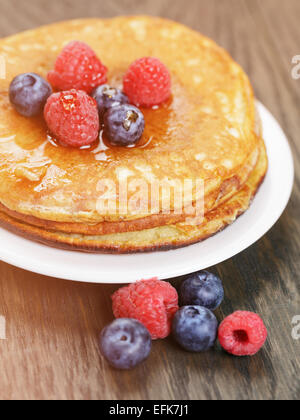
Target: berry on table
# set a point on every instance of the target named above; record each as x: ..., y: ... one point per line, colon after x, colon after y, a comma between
x: 124, y: 125
x: 195, y: 328
x: 77, y: 67
x: 202, y: 289
x: 107, y: 97
x: 28, y: 93
x: 152, y: 302
x: 147, y: 82
x: 242, y: 334
x: 125, y: 343
x: 72, y: 117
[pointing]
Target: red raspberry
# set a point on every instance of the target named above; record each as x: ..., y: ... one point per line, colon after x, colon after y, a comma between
x: 147, y: 82
x: 152, y: 302
x: 72, y: 117
x: 77, y: 67
x: 242, y: 334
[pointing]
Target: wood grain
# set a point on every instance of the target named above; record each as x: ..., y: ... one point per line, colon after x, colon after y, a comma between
x: 52, y: 325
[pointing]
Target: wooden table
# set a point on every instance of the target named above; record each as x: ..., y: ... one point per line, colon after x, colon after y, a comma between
x: 52, y: 326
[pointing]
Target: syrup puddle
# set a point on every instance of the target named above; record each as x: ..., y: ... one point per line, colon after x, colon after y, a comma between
x: 100, y: 148
x: 146, y: 144
x: 52, y: 141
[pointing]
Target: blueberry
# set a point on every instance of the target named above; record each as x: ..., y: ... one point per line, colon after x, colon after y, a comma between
x: 125, y: 343
x: 124, y: 125
x: 28, y: 94
x: 195, y: 328
x: 107, y: 97
x: 202, y: 289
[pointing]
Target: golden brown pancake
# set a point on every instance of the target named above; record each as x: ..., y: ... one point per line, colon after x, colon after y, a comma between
x: 207, y: 130
x: 159, y: 238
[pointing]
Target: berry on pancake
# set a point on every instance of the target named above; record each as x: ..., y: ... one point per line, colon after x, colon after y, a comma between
x: 72, y: 117
x: 77, y: 67
x: 124, y: 125
x: 108, y: 97
x: 28, y: 93
x: 147, y: 82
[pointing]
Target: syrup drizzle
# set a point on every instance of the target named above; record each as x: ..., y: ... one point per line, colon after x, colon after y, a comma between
x: 101, y: 147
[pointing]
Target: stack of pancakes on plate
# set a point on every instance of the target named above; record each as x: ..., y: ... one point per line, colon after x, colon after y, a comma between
x: 208, y: 130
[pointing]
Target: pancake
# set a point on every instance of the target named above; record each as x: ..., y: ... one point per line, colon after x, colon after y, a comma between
x: 207, y: 131
x: 161, y: 238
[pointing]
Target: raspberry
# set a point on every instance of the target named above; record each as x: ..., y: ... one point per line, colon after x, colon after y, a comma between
x: 147, y: 82
x: 77, y: 67
x: 72, y: 117
x: 152, y: 302
x: 242, y: 334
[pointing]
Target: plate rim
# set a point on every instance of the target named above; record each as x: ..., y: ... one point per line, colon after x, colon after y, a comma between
x: 51, y: 270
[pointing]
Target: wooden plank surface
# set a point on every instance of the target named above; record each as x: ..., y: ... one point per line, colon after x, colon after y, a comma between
x: 52, y: 326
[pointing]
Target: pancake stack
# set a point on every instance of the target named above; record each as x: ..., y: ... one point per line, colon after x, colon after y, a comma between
x: 209, y: 130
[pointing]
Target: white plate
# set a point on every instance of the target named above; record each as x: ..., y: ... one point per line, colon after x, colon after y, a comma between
x: 266, y: 209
